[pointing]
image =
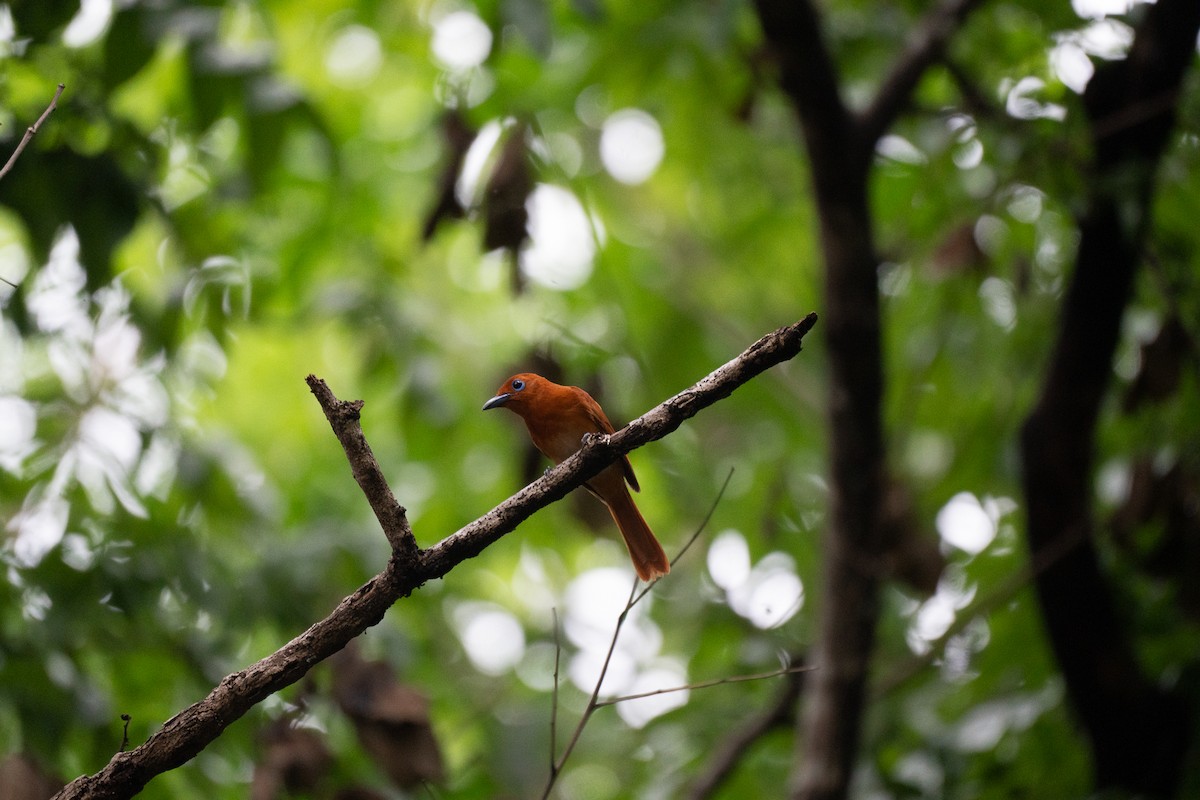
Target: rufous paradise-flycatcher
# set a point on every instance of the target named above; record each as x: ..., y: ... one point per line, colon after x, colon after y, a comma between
x: 558, y: 417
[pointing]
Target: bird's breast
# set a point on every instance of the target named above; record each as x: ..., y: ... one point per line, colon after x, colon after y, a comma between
x: 558, y: 445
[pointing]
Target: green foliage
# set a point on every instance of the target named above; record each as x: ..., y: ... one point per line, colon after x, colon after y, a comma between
x: 231, y: 195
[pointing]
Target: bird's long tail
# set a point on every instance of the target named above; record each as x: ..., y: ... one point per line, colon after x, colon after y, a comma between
x: 647, y: 554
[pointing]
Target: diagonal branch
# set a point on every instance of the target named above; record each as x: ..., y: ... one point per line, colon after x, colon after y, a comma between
x: 772, y: 349
x: 343, y: 416
x: 729, y: 752
x: 924, y: 48
x: 190, y: 731
x: 31, y: 131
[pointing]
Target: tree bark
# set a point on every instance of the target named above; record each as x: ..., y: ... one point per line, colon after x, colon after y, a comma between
x: 852, y: 541
x: 841, y: 148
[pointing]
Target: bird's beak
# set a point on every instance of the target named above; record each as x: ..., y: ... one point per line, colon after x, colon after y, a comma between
x: 496, y: 401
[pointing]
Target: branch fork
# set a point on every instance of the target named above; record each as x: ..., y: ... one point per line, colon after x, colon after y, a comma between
x: 187, y: 733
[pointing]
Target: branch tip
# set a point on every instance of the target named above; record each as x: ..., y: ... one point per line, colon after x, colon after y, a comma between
x: 31, y: 131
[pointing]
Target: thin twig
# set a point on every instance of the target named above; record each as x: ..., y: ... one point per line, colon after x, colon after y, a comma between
x: 724, y: 756
x: 554, y: 696
x: 31, y: 131
x: 125, y: 733
x: 691, y: 539
x: 594, y: 702
x: 758, y: 676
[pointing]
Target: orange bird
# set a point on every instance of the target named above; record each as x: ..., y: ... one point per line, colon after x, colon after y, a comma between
x: 558, y: 417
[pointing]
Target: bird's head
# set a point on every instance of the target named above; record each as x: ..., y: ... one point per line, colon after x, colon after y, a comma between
x: 518, y: 393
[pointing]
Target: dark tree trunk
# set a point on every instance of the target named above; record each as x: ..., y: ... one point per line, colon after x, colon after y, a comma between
x: 1137, y: 732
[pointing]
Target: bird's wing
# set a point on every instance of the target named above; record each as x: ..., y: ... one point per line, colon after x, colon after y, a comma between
x: 597, y: 416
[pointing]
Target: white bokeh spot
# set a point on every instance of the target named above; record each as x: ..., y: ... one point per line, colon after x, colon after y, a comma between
x: 631, y: 145
x: 491, y: 636
x: 970, y: 524
x: 461, y: 40
x: 88, y: 25
x: 355, y: 55
x: 18, y: 424
x: 663, y: 675
x: 729, y: 560
x: 768, y: 593
x: 562, y: 240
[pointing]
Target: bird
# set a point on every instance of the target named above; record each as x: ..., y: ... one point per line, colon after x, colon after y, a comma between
x: 558, y: 418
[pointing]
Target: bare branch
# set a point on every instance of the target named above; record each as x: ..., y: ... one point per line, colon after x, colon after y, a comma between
x: 554, y: 697
x: 31, y: 131
x: 924, y: 48
x: 757, y: 676
x: 594, y: 703
x: 601, y: 451
x: 695, y: 535
x: 1000, y: 594
x: 730, y: 751
x: 343, y: 416
x: 190, y: 731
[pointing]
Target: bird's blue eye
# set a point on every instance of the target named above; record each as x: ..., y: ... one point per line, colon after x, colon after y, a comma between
x: 518, y: 385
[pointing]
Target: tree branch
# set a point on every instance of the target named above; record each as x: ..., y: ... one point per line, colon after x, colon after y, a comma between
x: 724, y: 758
x: 808, y: 76
x: 343, y: 417
x: 687, y: 687
x: 31, y: 131
x: 635, y: 597
x: 187, y: 733
x: 772, y: 349
x: 924, y: 48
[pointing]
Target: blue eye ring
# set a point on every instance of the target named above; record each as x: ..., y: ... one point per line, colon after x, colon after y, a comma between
x: 518, y: 385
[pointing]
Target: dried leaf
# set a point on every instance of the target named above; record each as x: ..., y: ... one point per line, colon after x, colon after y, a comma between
x: 390, y: 718
x: 294, y: 761
x: 1161, y: 366
x: 504, y: 198
x: 458, y: 136
x: 914, y: 558
x: 958, y: 251
x: 506, y: 220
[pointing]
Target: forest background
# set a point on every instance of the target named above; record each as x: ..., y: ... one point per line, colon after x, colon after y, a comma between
x: 971, y: 505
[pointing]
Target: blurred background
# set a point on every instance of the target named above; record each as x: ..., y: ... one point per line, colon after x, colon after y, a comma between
x: 414, y: 199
